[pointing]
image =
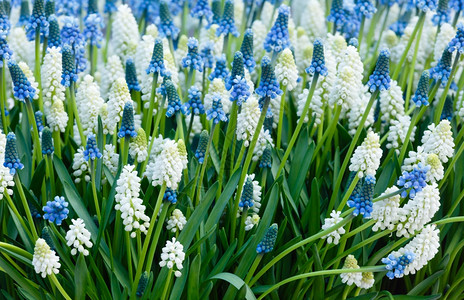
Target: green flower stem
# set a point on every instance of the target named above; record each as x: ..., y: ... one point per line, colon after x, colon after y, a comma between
x: 415, y: 118
x: 441, y: 103
x: 59, y: 287
x: 26, y: 206
x: 228, y: 139
x: 3, y: 97
x: 253, y: 267
x: 281, y: 117
x: 240, y: 157
x: 241, y: 233
x: 298, y: 126
x: 458, y: 138
x: 93, y: 53
x: 159, y: 114
x: 412, y: 65
x: 159, y: 227
x: 350, y: 150
x: 76, y: 114
x: 57, y: 143
x: 456, y: 203
x: 35, y: 131
x: 321, y: 273
x: 248, y: 158
x: 37, y: 55
x: 449, y: 220
x: 189, y: 129
x: 135, y: 96
x: 361, y: 31
x: 94, y: 189
x: 125, y: 152
x: 107, y: 38
x: 168, y: 281
x: 16, y: 212
x: 419, y: 24
x: 143, y: 22
x: 180, y: 127
x: 185, y: 11
x: 382, y: 197
x: 298, y: 245
x: 347, y: 195
x: 50, y: 173
x: 203, y: 166
x: 328, y: 134
x: 451, y: 164
x: 146, y: 243
x: 384, y: 24
x: 149, y: 116
x: 129, y: 254
x: 194, y: 188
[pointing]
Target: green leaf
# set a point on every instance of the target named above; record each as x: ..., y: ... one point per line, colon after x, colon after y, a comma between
x: 319, y: 284
x: 193, y: 288
x: 300, y: 164
x: 179, y: 286
x: 29, y: 286
x: 221, y: 264
x: 80, y: 278
x: 237, y: 282
x: 426, y: 283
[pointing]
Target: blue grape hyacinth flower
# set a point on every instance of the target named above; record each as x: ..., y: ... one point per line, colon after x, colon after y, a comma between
x: 68, y: 74
x: 220, y: 70
x: 365, y: 8
x: 442, y: 15
x: 216, y: 112
x: 194, y: 104
x: 318, y: 61
x: 22, y: 88
x: 268, y: 85
x: 202, y: 145
x: 165, y: 23
x: 442, y: 70
x: 457, y: 43
x: 174, y: 102
x: 421, y: 95
x: 247, y: 50
x: 54, y: 35
x: 157, y: 59
x: 361, y: 199
x: 93, y: 25
x: 39, y: 120
x: 379, y: 80
x: 38, y: 21
x: 170, y: 195
x: 396, y: 265
x: 47, y: 142
x: 127, y: 129
x: 24, y: 14
x: 91, y: 151
x: 246, y: 199
x: 413, y: 181
x: 267, y: 243
x: 240, y: 90
x: 238, y: 70
x: 201, y: 10
x: 5, y: 51
x: 56, y: 211
x: 12, y: 160
x: 426, y: 5
x: 227, y: 22
x: 131, y: 76
x: 278, y: 37
x: 266, y: 158
x: 337, y: 14
x: 193, y: 60
x: 207, y: 55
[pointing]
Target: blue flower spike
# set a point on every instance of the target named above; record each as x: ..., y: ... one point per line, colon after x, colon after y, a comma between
x: 5, y: 51
x: 127, y: 129
x: 268, y: 85
x: 174, y: 102
x: 457, y: 43
x: 318, y: 61
x: 54, y: 35
x: 170, y: 196
x: 442, y: 71
x: 47, y: 142
x: 194, y: 104
x: 22, y: 88
x: 414, y: 181
x: 379, y: 80
x: 396, y: 265
x: 246, y: 200
x: 157, y: 59
x: 216, y: 112
x: 56, y: 211
x: 202, y: 145
x: 337, y: 14
x: 131, y: 76
x: 91, y: 151
x: 267, y: 243
x: 165, y: 22
x: 12, y: 160
x: 193, y: 60
x: 220, y: 70
x: 266, y: 158
x: 361, y: 199
x: 68, y: 75
x: 278, y: 37
x: 421, y: 95
x: 38, y: 21
x: 247, y: 50
x: 227, y: 23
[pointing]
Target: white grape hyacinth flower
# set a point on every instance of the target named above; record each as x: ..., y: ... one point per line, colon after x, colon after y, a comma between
x: 125, y: 32
x: 173, y: 256
x: 350, y: 278
x: 51, y: 78
x: 78, y: 237
x: 251, y: 221
x: 436, y: 170
x: 367, y: 280
x: 45, y: 260
x: 128, y: 202
x: 386, y: 212
x: 177, y: 221
x: 366, y: 158
x: 334, y: 236
x: 286, y: 70
x: 438, y: 139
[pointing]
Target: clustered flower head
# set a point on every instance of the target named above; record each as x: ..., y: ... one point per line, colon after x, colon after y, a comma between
x: 268, y: 86
x: 12, y: 160
x: 128, y: 202
x: 366, y: 157
x: 91, y: 151
x: 361, y: 199
x: 227, y: 22
x: 127, y: 129
x: 193, y: 60
x: 438, y: 139
x: 56, y: 211
x: 334, y: 236
x: 177, y: 221
x: 216, y: 112
x: 421, y: 95
x: 318, y: 62
x: 22, y: 88
x: 173, y: 256
x: 165, y: 22
x: 45, y: 260
x: 379, y: 80
x: 38, y: 22
x: 78, y: 237
x: 413, y: 181
x: 267, y: 243
x: 247, y: 50
x: 194, y: 104
x: 278, y: 37
x: 286, y: 70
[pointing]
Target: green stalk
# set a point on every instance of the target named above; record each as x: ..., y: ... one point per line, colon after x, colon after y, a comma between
x: 299, y: 125
x: 298, y: 245
x: 76, y: 114
x: 93, y: 58
x: 347, y: 194
x: 415, y: 118
x: 35, y: 131
x: 59, y: 287
x: 3, y: 97
x: 412, y: 65
x: 141, y: 262
x: 16, y: 212
x: 281, y: 117
x: 26, y: 206
x: 451, y: 164
x: 203, y: 166
x: 17, y: 250
x: 419, y: 24
x: 321, y: 273
x: 94, y: 189
x: 249, y: 155
x: 228, y: 138
x: 328, y: 134
x: 168, y: 281
x: 241, y: 233
x: 125, y: 152
x: 37, y: 55
x: 361, y: 31
x: 159, y: 227
x: 50, y: 173
x: 350, y: 151
x: 253, y: 267
x: 107, y: 38
x: 441, y: 103
x: 57, y: 143
x: 129, y: 254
